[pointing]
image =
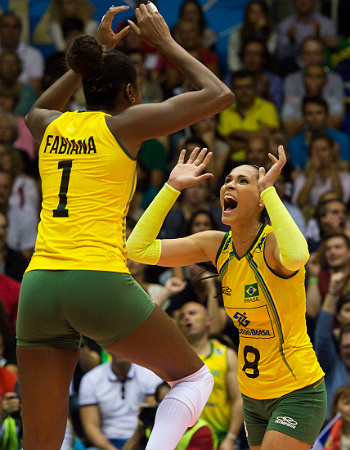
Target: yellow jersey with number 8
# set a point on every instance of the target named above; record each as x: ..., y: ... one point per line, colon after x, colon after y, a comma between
x: 88, y: 180
x: 275, y: 354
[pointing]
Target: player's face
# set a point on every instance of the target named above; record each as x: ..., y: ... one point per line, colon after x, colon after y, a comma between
x: 239, y: 196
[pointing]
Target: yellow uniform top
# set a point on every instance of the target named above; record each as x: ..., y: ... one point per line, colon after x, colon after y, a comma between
x: 275, y: 353
x: 217, y: 411
x: 88, y: 180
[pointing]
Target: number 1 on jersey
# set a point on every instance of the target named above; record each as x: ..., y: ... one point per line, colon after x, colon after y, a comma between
x: 61, y: 210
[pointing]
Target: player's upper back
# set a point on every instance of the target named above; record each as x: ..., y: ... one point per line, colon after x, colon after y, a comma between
x: 87, y: 182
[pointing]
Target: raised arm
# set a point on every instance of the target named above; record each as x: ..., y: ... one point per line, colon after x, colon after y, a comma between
x: 286, y: 249
x: 142, y: 245
x: 159, y: 119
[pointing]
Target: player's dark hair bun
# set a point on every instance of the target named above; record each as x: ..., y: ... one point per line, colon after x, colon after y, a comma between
x: 85, y: 55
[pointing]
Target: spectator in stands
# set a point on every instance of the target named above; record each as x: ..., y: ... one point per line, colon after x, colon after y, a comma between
x: 255, y: 57
x: 25, y: 141
x: 192, y: 10
x: 330, y: 217
x: 189, y: 37
x: 257, y: 152
x: 223, y: 410
x: 256, y: 24
x: 336, y: 248
x: 249, y: 116
x: 32, y: 59
x: 59, y: 10
x: 22, y: 219
x: 9, y: 135
x: 336, y: 366
x: 10, y: 70
x: 314, y: 83
x: 9, y: 294
x: 303, y: 23
x: 315, y: 116
x: 110, y: 396
x: 12, y: 263
x: 294, y: 211
x: 312, y: 51
x: 324, y: 172
x: 8, y: 357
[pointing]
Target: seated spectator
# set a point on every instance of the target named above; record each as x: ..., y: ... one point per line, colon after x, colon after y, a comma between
x: 144, y: 192
x: 336, y: 366
x: 190, y: 39
x: 32, y: 59
x: 152, y: 152
x: 8, y: 358
x: 336, y: 249
x: 9, y: 134
x: 313, y: 52
x: 22, y: 217
x: 303, y: 23
x: 330, y: 217
x: 294, y: 211
x: 207, y: 129
x: 9, y: 295
x: 110, y: 396
x: 12, y: 263
x: 25, y: 141
x: 324, y: 172
x: 10, y: 70
x: 256, y: 24
x: 192, y: 10
x: 255, y: 57
x: 249, y: 116
x: 257, y: 152
x: 338, y: 437
x: 314, y: 82
x: 315, y: 117
x: 59, y: 10
x: 150, y: 90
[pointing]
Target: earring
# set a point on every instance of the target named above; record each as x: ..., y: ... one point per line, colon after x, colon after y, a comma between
x: 133, y: 99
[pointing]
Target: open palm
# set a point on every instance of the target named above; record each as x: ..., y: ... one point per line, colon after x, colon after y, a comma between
x: 189, y: 173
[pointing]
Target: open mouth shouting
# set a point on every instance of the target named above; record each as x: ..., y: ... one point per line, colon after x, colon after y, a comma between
x: 229, y: 204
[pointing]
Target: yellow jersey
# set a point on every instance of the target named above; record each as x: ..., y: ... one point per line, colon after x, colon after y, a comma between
x: 217, y: 410
x: 88, y: 180
x: 275, y: 353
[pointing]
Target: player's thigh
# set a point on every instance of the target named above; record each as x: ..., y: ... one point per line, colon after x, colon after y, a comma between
x: 159, y: 345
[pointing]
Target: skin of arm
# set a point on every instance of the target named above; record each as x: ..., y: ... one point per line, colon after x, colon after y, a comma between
x: 313, y: 295
x: 235, y: 396
x: 218, y: 314
x: 90, y: 418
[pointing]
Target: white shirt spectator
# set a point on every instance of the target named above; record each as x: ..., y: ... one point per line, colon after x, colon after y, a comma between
x: 118, y: 401
x: 33, y: 63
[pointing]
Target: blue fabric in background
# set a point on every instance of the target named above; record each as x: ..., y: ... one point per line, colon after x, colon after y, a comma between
x: 221, y: 16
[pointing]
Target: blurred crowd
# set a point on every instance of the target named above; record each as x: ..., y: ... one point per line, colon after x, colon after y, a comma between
x: 288, y: 64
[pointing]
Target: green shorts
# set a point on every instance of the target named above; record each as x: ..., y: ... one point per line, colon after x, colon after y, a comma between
x: 57, y: 307
x: 299, y: 414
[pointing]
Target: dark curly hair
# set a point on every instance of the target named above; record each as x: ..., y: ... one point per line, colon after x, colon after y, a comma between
x: 104, y: 71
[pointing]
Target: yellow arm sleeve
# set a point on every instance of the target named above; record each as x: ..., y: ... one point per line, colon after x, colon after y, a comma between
x: 293, y: 247
x: 142, y: 245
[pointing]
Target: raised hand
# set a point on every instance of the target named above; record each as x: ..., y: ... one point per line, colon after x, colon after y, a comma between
x: 105, y: 35
x: 151, y: 27
x: 186, y: 174
x: 267, y: 179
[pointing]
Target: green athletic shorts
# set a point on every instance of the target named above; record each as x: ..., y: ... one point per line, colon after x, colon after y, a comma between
x: 299, y: 414
x: 57, y: 307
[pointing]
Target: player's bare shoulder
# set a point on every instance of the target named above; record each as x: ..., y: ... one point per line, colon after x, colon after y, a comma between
x: 210, y: 242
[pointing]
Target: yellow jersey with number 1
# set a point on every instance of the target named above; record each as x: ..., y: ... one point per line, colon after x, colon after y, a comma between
x: 88, y: 180
x: 275, y: 355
